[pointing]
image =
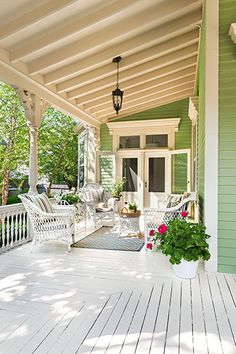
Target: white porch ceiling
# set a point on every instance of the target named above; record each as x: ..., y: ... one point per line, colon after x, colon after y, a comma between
x: 63, y: 50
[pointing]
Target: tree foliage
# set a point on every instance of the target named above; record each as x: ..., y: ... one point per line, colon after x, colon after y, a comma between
x: 14, y: 132
x: 58, y: 148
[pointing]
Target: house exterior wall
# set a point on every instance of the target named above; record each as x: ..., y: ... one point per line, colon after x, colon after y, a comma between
x: 227, y: 140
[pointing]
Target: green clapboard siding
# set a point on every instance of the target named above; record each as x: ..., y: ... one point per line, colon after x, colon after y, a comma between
x: 171, y: 110
x: 201, y: 121
x: 227, y: 139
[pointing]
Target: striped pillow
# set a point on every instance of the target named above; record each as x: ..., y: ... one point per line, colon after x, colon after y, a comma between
x: 46, y: 203
x: 37, y: 201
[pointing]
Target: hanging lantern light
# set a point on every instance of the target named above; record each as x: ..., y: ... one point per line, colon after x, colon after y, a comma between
x: 117, y: 94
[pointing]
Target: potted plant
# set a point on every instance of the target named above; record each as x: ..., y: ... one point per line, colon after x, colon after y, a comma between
x: 185, y: 243
x: 118, y: 187
x: 132, y: 208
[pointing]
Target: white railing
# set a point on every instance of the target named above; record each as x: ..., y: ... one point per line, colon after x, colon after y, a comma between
x: 14, y: 228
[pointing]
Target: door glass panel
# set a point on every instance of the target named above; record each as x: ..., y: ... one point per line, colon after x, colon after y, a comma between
x: 156, y: 174
x: 154, y: 141
x: 130, y: 172
x: 179, y: 175
x: 130, y: 142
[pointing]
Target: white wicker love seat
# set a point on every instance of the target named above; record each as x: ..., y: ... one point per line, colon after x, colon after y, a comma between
x: 49, y: 221
x: 94, y: 196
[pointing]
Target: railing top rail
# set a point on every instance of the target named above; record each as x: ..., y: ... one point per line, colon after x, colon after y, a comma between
x: 12, y: 208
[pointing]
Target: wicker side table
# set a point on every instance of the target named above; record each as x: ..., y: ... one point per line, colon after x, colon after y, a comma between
x: 129, y: 224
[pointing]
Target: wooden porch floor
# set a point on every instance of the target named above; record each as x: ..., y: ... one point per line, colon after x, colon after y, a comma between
x: 93, y: 301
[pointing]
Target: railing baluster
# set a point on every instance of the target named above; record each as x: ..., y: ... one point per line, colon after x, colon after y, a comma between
x: 14, y: 228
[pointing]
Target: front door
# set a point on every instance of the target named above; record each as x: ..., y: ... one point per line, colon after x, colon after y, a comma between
x: 130, y: 168
x: 157, y: 181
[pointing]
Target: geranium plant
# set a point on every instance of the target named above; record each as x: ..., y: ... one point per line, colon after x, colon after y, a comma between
x: 181, y: 240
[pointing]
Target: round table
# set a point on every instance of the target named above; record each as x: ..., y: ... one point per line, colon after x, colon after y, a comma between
x: 129, y: 224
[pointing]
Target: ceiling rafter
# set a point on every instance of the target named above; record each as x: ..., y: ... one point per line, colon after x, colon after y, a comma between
x: 137, y: 71
x: 128, y: 28
x: 30, y: 18
x: 146, y: 106
x: 146, y: 98
x: 159, y: 86
x: 146, y: 55
x: 186, y: 67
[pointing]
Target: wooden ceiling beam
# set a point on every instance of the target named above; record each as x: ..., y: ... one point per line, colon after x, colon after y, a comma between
x: 149, y: 90
x: 31, y: 17
x: 126, y: 48
x: 146, y: 106
x: 166, y: 74
x: 128, y: 28
x: 80, y: 24
x: 145, y: 55
x: 137, y: 71
x: 144, y: 98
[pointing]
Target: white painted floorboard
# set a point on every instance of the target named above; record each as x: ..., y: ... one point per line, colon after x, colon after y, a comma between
x: 95, y: 301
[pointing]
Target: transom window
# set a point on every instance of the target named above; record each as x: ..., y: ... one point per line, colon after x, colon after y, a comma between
x: 156, y: 141
x: 130, y: 142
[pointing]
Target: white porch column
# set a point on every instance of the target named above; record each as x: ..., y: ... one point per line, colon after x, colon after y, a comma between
x: 34, y: 110
x: 211, y: 131
x: 33, y: 162
x: 91, y: 155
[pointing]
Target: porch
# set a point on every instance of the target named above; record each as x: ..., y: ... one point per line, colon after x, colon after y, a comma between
x: 94, y: 301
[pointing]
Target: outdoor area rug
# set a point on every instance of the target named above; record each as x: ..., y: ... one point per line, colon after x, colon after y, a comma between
x: 107, y: 238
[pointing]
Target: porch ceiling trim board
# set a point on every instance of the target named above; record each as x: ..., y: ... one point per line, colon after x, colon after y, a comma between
x: 141, y: 94
x: 173, y: 71
x: 13, y: 76
x: 135, y: 76
x: 149, y: 55
x: 128, y: 28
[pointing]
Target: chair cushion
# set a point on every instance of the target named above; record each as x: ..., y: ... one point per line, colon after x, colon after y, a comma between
x: 173, y: 200
x: 41, y: 201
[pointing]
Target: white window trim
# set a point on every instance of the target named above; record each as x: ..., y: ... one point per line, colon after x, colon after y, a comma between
x: 142, y: 128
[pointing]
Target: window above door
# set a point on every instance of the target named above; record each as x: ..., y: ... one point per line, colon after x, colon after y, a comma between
x: 144, y: 134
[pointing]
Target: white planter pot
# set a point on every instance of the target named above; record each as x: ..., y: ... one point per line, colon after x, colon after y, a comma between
x: 185, y: 269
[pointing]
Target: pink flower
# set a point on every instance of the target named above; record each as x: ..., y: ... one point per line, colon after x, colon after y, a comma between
x: 184, y: 214
x: 149, y: 246
x: 162, y: 229
x: 151, y: 232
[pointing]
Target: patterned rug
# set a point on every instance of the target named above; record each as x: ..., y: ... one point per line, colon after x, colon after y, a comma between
x: 107, y: 238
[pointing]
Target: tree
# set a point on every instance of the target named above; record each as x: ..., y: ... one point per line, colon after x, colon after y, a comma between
x: 14, y: 131
x: 58, y: 149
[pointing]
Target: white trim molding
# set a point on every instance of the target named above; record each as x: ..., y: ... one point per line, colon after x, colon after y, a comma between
x: 144, y: 127
x: 211, y: 131
x: 193, y: 109
x: 173, y: 122
x: 232, y: 32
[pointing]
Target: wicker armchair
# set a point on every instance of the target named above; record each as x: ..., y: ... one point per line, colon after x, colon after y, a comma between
x: 153, y: 217
x: 93, y: 196
x: 49, y: 222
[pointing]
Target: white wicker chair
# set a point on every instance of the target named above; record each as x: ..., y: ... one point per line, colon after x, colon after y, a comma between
x: 153, y: 217
x: 56, y: 225
x: 92, y: 194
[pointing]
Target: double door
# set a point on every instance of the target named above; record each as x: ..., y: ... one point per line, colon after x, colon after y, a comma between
x: 151, y: 175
